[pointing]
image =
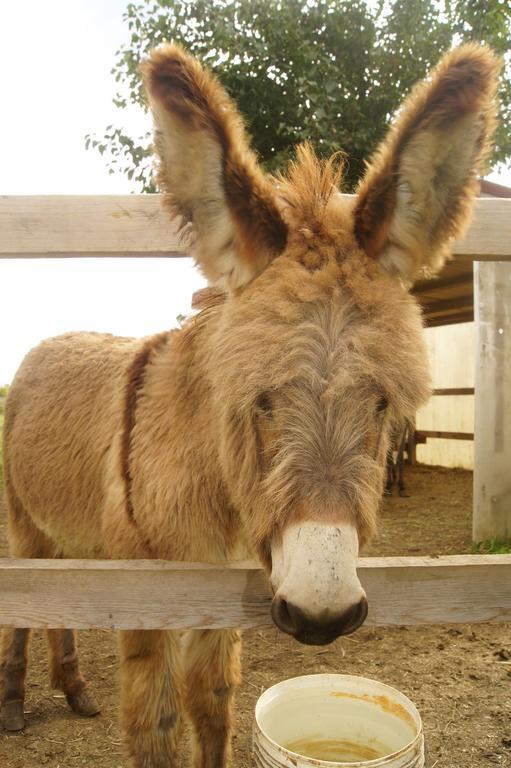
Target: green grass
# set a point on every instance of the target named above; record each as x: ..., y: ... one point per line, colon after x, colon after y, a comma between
x: 491, y: 547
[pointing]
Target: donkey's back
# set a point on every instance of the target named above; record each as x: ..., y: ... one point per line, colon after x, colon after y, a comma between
x: 64, y: 408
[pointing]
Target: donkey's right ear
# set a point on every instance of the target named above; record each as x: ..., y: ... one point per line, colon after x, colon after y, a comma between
x: 208, y: 172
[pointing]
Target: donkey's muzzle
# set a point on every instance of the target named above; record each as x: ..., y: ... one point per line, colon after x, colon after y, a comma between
x: 317, y: 631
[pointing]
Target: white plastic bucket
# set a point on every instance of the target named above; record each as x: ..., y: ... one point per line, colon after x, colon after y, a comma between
x: 336, y: 720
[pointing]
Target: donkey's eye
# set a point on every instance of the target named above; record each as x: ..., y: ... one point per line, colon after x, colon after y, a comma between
x: 264, y: 405
x: 382, y: 405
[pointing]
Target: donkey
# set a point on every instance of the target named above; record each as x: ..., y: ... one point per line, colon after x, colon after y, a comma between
x: 261, y: 427
x: 399, y: 443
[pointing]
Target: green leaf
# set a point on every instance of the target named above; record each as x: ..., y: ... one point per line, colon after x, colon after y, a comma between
x: 332, y: 71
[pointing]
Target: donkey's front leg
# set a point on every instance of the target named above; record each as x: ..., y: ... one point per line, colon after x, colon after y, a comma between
x: 212, y: 673
x: 13, y: 668
x: 150, y: 697
x: 65, y: 672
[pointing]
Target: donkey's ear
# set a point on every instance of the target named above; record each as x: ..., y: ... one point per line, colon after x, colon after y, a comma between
x: 418, y: 189
x: 209, y: 174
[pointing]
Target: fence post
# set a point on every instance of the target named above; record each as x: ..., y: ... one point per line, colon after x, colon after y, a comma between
x: 492, y: 434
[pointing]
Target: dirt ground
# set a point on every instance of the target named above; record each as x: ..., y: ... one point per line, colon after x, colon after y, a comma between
x: 459, y: 677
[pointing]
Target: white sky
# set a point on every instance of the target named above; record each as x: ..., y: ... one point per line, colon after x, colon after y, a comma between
x: 55, y: 61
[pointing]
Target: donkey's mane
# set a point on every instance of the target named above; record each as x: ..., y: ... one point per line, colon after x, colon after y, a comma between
x: 309, y: 185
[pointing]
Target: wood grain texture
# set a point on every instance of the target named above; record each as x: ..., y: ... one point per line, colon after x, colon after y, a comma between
x: 72, y: 226
x: 442, y: 434
x: 149, y: 594
x: 454, y: 391
x: 136, y: 225
x: 489, y: 235
x: 492, y: 447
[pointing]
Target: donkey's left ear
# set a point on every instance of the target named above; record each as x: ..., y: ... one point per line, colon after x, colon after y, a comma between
x: 417, y: 192
x: 208, y: 172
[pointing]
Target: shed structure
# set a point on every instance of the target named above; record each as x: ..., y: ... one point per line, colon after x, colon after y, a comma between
x: 449, y: 298
x: 473, y: 289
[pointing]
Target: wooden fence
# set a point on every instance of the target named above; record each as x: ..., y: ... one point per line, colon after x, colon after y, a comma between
x: 153, y: 594
x: 420, y: 436
x: 150, y: 594
x: 136, y: 226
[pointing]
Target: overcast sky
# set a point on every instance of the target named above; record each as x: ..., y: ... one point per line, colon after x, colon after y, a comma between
x: 55, y: 62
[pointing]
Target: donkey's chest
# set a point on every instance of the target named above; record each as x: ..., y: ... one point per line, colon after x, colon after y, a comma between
x: 186, y: 513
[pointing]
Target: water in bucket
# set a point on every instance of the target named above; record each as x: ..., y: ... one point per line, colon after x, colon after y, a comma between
x: 336, y: 720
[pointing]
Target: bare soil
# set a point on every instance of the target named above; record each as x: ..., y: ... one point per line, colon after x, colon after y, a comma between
x: 459, y: 676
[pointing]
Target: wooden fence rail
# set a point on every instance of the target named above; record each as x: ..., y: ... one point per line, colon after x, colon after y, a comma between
x: 136, y: 225
x: 455, y: 391
x: 150, y: 594
x: 422, y: 435
x: 153, y: 594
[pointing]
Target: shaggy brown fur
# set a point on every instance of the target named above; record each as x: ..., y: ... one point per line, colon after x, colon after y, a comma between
x: 272, y: 405
x: 191, y: 99
x: 133, y: 388
x: 430, y: 159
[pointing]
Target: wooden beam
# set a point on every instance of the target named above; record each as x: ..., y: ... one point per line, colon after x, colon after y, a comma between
x: 448, y: 306
x: 425, y: 433
x: 435, y: 284
x: 149, y: 594
x: 458, y: 317
x: 455, y: 391
x: 136, y: 225
x: 72, y: 226
x: 489, y: 236
x: 492, y: 453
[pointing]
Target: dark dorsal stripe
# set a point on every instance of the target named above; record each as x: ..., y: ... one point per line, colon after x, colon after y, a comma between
x: 135, y: 383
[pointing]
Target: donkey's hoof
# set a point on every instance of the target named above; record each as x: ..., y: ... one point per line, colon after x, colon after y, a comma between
x: 83, y: 704
x: 13, y: 717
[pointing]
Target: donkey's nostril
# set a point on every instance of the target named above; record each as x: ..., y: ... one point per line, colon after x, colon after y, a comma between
x: 318, y: 630
x: 355, y: 617
x: 282, y: 615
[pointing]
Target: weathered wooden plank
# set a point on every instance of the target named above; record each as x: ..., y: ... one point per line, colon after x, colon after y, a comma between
x: 73, y: 226
x: 442, y: 434
x: 492, y: 448
x: 148, y: 594
x: 454, y: 391
x: 489, y: 235
x: 454, y: 305
x: 450, y: 319
x: 136, y: 225
x: 436, y: 285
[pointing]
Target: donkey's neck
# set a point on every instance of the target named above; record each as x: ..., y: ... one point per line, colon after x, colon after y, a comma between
x: 178, y: 495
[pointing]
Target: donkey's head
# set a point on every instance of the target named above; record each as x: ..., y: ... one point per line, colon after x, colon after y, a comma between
x: 318, y: 348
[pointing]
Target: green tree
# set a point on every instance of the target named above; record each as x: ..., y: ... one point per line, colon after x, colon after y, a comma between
x: 332, y: 71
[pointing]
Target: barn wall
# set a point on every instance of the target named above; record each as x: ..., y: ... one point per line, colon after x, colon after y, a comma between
x: 451, y: 351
